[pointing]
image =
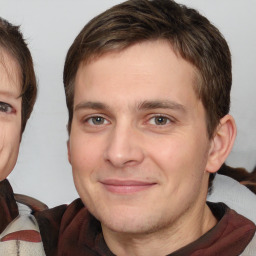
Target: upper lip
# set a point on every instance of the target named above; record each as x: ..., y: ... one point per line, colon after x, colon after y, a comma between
x: 116, y: 182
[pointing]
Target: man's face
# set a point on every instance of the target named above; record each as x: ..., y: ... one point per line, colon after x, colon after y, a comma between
x: 10, y: 113
x: 138, y: 143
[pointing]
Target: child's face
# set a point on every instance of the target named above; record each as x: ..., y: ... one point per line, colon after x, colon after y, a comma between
x: 10, y: 113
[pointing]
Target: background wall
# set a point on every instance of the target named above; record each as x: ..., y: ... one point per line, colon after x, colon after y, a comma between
x: 50, y: 27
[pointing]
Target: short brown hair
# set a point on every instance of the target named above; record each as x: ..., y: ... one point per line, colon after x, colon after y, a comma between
x: 12, y: 41
x: 189, y: 33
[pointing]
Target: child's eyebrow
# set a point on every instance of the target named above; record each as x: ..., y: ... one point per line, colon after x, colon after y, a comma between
x: 9, y: 94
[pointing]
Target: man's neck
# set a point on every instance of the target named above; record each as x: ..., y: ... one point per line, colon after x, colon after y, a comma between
x: 164, y: 241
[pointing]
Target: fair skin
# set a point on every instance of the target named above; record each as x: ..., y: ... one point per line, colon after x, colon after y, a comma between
x: 10, y: 113
x: 140, y: 151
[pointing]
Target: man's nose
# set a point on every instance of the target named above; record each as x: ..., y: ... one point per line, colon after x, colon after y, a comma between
x: 124, y: 147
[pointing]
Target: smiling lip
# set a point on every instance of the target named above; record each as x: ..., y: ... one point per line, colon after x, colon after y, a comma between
x: 126, y: 186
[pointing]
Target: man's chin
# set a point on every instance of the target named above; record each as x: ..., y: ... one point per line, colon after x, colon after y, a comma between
x: 135, y: 222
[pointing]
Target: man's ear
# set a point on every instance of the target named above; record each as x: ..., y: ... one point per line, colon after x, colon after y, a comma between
x: 221, y: 143
x: 69, y: 154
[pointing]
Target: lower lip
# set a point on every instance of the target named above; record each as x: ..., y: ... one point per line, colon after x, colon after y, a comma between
x: 127, y: 189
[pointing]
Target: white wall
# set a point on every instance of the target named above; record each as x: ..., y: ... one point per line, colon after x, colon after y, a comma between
x: 50, y: 26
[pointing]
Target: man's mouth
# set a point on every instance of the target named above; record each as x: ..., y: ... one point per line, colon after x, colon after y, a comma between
x: 126, y: 186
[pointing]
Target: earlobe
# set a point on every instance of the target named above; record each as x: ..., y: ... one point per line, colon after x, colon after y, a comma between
x: 221, y: 143
x: 68, y: 148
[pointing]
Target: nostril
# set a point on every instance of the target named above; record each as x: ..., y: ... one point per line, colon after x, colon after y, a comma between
x: 129, y: 159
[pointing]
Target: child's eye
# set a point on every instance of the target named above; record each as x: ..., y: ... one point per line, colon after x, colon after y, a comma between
x: 5, y: 107
x: 159, y: 120
x: 97, y: 120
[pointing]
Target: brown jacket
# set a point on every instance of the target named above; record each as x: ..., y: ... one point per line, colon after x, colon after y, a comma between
x: 75, y: 232
x: 72, y: 230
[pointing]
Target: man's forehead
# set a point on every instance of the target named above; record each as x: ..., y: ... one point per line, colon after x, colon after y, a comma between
x: 119, y: 51
x: 99, y: 72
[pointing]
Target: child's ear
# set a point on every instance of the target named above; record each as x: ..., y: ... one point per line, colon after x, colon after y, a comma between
x: 221, y: 143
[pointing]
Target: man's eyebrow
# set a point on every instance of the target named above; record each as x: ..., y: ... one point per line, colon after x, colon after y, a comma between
x: 90, y: 105
x: 145, y: 105
x: 164, y: 104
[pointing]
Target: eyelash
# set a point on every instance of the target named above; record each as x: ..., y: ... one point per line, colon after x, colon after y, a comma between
x: 6, y: 108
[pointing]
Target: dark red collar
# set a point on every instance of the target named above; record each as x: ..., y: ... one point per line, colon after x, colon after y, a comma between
x: 8, y: 207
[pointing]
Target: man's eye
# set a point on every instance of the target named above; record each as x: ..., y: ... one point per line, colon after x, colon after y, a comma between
x: 6, y: 108
x: 97, y: 120
x: 159, y: 120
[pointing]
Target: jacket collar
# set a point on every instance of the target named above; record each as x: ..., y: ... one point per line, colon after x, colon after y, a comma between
x: 8, y: 207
